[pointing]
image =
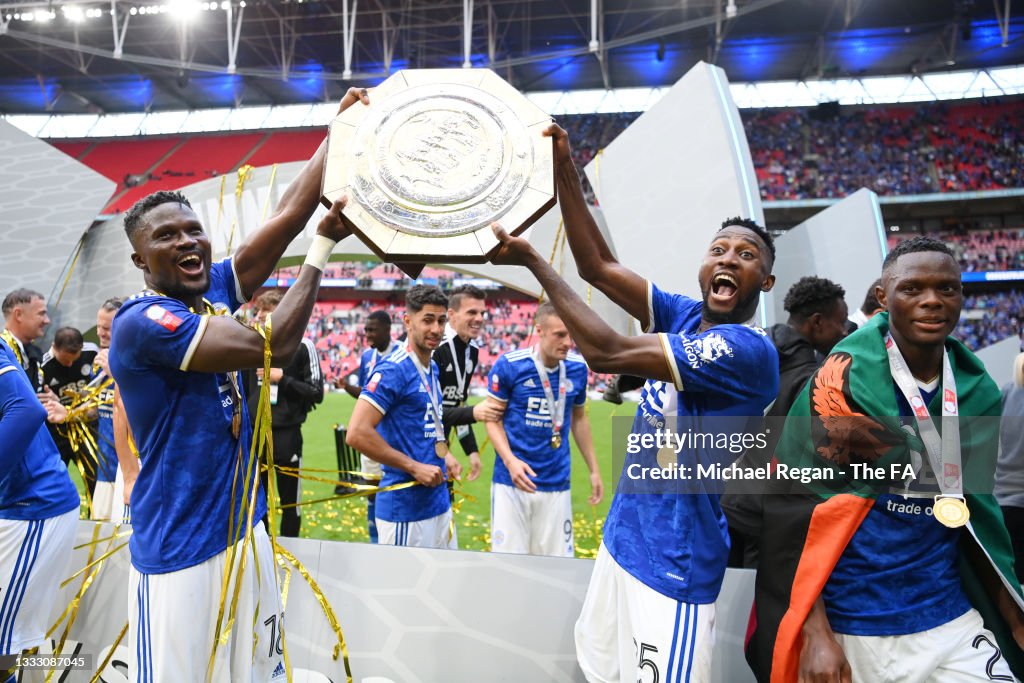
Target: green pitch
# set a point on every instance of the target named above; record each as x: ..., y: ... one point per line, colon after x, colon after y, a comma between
x: 345, y: 520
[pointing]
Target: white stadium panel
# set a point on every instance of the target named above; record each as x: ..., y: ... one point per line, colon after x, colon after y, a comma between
x: 49, y: 201
x: 667, y: 182
x: 399, y: 607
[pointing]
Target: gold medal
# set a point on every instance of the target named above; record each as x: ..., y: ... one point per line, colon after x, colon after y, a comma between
x: 556, y: 441
x: 440, y: 448
x: 951, y: 512
x: 667, y: 457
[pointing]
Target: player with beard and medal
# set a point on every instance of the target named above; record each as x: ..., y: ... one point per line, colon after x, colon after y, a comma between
x: 398, y: 422
x: 377, y: 332
x: 650, y: 607
x: 196, y: 505
x: 544, y: 392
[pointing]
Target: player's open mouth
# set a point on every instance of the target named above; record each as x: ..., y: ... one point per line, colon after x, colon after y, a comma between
x: 192, y: 264
x: 724, y: 287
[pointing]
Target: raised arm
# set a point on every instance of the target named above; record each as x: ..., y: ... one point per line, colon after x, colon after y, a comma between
x: 604, y: 348
x: 256, y: 257
x: 229, y: 345
x: 594, y: 260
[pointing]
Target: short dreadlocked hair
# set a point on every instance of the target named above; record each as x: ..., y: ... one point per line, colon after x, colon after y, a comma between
x: 133, y: 220
x: 812, y: 295
x: 751, y: 224
x: 916, y: 245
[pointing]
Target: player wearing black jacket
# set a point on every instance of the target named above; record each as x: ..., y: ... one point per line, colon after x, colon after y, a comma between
x: 294, y: 391
x: 457, y: 359
x: 66, y: 370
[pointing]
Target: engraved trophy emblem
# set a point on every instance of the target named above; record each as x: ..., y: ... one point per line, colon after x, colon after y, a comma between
x: 438, y: 156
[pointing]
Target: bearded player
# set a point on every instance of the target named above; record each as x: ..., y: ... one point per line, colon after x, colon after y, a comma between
x: 544, y: 391
x: 650, y: 606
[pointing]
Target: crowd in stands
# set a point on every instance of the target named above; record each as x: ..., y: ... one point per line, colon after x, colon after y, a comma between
x: 798, y: 153
x: 336, y: 329
x: 983, y: 250
x: 990, y: 318
x: 933, y: 147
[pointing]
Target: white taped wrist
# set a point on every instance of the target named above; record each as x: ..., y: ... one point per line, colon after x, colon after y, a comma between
x: 319, y: 252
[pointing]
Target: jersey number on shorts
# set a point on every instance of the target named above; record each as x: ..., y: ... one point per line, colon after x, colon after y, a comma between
x: 644, y: 663
x: 275, y: 635
x: 993, y: 660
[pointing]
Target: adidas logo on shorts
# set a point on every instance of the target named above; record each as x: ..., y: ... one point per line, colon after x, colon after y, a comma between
x: 278, y: 672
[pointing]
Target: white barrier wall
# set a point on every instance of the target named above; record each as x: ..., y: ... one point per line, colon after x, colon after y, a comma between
x: 670, y: 179
x: 408, y: 615
x: 844, y: 243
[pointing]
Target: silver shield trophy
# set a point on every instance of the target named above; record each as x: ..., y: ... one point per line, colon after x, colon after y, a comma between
x: 438, y: 156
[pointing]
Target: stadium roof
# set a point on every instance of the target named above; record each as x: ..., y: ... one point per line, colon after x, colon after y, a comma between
x: 99, y: 56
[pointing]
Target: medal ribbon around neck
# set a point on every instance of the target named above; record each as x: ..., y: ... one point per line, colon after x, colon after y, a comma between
x: 557, y: 408
x: 8, y: 337
x: 236, y: 410
x: 427, y: 379
x: 943, y: 451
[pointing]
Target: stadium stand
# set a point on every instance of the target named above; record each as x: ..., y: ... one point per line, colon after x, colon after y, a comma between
x: 192, y: 160
x: 982, y: 251
x: 797, y: 153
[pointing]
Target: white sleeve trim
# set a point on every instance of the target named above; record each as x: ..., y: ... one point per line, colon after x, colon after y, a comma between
x: 497, y: 398
x: 315, y: 372
x: 9, y: 368
x: 238, y: 285
x: 364, y: 397
x: 204, y: 320
x: 650, y: 307
x: 671, y: 358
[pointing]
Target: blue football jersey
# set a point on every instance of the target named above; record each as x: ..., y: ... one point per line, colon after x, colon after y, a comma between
x: 395, y: 389
x: 514, y: 381
x: 675, y: 542
x: 181, y: 421
x: 368, y: 361
x: 898, y: 574
x: 34, y: 482
x: 106, y: 469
